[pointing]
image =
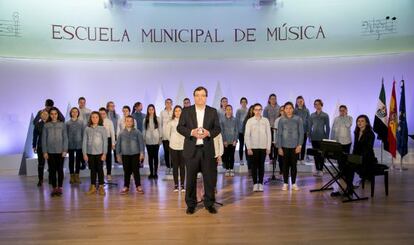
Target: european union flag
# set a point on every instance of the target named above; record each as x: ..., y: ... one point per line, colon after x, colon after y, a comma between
x: 402, y: 132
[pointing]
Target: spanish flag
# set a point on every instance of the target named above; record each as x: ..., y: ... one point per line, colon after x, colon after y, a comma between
x: 393, y: 124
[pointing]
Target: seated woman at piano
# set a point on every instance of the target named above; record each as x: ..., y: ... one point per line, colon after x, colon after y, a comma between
x: 364, y: 138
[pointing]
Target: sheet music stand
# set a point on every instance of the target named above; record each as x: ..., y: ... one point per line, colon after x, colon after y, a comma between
x: 333, y: 151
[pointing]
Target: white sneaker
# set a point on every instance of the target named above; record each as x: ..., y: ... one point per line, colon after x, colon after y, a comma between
x: 232, y: 173
x: 260, y: 188
x: 199, y: 175
x: 109, y: 178
x: 320, y: 173
x: 255, y: 187
x: 227, y: 173
x: 295, y: 187
x: 285, y: 187
x: 241, y: 163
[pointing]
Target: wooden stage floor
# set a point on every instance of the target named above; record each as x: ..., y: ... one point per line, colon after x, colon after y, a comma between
x: 28, y: 215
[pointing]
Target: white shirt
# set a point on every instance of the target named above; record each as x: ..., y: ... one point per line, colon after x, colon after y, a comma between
x: 341, y: 130
x: 175, y: 138
x: 257, y: 134
x: 152, y: 135
x: 165, y: 118
x: 84, y: 114
x: 110, y: 132
x: 200, y: 119
x: 218, y: 146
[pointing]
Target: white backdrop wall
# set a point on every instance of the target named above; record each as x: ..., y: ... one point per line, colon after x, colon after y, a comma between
x: 350, y: 27
x: 354, y: 81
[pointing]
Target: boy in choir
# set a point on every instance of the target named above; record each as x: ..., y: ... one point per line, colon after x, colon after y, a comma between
x: 319, y: 129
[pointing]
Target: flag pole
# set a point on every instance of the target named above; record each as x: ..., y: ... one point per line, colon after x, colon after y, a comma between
x: 402, y: 136
x: 401, y: 168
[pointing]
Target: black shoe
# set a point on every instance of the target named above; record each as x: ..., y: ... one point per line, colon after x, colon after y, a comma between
x: 156, y: 176
x: 150, y: 176
x: 336, y: 194
x: 212, y: 209
x: 54, y: 192
x: 348, y: 193
x: 40, y: 183
x: 190, y: 211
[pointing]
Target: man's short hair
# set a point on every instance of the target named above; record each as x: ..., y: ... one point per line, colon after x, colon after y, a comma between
x: 199, y: 89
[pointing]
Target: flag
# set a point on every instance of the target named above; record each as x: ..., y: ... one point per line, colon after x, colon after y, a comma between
x: 393, y: 124
x: 380, y: 121
x: 402, y: 132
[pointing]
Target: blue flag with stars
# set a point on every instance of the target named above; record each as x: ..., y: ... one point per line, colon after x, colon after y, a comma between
x: 402, y: 131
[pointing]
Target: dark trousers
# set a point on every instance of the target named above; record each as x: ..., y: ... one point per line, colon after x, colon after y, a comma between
x: 109, y: 158
x: 346, y: 148
x: 318, y: 159
x: 228, y: 156
x: 56, y: 166
x: 166, y: 146
x: 273, y: 149
x: 342, y: 162
x: 153, y: 158
x: 290, y: 159
x: 208, y: 167
x: 280, y: 161
x: 258, y: 159
x: 115, y: 156
x: 241, y: 146
x: 72, y: 167
x: 83, y: 163
x: 177, y: 161
x: 249, y: 161
x: 40, y: 164
x: 303, y: 151
x: 96, y: 167
x: 347, y: 169
x: 131, y: 166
